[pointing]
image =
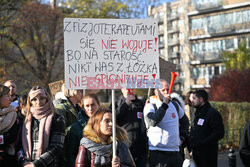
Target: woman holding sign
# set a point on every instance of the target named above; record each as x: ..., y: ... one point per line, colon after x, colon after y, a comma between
x: 96, y: 146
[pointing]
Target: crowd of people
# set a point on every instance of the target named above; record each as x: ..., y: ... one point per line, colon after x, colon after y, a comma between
x: 75, y: 130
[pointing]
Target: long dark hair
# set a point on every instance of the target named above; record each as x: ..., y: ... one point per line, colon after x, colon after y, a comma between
x: 187, y: 98
x: 4, y: 90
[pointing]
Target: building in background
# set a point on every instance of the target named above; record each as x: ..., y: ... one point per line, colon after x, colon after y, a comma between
x: 194, y: 33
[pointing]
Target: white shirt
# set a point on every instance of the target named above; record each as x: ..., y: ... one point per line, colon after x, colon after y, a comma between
x: 165, y: 135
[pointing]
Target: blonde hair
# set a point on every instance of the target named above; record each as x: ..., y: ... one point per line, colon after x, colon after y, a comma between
x: 68, y: 92
x: 28, y: 106
x: 93, y: 128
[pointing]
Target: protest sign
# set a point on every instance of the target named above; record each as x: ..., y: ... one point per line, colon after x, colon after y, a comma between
x: 166, y: 68
x: 111, y: 53
x: 55, y: 87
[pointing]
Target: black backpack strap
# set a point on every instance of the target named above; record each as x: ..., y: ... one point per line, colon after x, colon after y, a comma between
x: 176, y: 107
x: 183, y: 123
x: 154, y: 105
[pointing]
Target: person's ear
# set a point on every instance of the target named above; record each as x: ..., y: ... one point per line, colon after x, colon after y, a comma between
x: 201, y: 99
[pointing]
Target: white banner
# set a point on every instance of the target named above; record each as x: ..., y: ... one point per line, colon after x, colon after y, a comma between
x: 111, y: 53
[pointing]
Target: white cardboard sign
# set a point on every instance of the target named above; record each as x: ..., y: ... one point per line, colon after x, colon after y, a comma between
x: 111, y: 53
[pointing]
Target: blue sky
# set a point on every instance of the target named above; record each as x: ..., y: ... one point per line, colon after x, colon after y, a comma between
x: 143, y: 4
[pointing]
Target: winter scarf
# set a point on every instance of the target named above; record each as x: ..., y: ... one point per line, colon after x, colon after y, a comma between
x: 103, y: 153
x: 7, y: 118
x: 45, y: 116
x: 103, y: 150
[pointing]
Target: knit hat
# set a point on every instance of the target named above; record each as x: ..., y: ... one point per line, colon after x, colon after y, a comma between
x: 4, y: 90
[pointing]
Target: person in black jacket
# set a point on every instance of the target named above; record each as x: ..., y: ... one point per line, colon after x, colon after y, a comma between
x: 245, y: 145
x: 43, y: 132
x: 10, y: 128
x: 22, y: 108
x: 129, y: 114
x: 206, y: 130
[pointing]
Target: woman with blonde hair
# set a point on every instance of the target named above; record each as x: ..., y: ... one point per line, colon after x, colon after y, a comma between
x: 43, y: 131
x: 96, y: 146
x: 10, y: 127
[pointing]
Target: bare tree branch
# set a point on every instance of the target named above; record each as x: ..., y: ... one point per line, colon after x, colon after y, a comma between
x: 20, y: 50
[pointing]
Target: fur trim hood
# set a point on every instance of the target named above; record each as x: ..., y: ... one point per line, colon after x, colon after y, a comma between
x: 89, y: 133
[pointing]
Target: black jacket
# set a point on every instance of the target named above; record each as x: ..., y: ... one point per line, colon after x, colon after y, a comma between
x: 11, y: 137
x: 206, y: 130
x: 53, y: 155
x: 130, y: 118
x: 245, y: 145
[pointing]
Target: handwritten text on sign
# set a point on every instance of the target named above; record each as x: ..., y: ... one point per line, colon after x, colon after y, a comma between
x: 111, y: 53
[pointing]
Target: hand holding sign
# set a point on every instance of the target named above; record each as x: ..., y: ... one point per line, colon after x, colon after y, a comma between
x: 130, y: 96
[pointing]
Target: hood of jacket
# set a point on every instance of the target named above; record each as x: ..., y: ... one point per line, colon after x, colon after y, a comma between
x: 92, y: 135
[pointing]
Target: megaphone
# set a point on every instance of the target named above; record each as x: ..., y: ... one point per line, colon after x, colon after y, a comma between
x: 173, y: 76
